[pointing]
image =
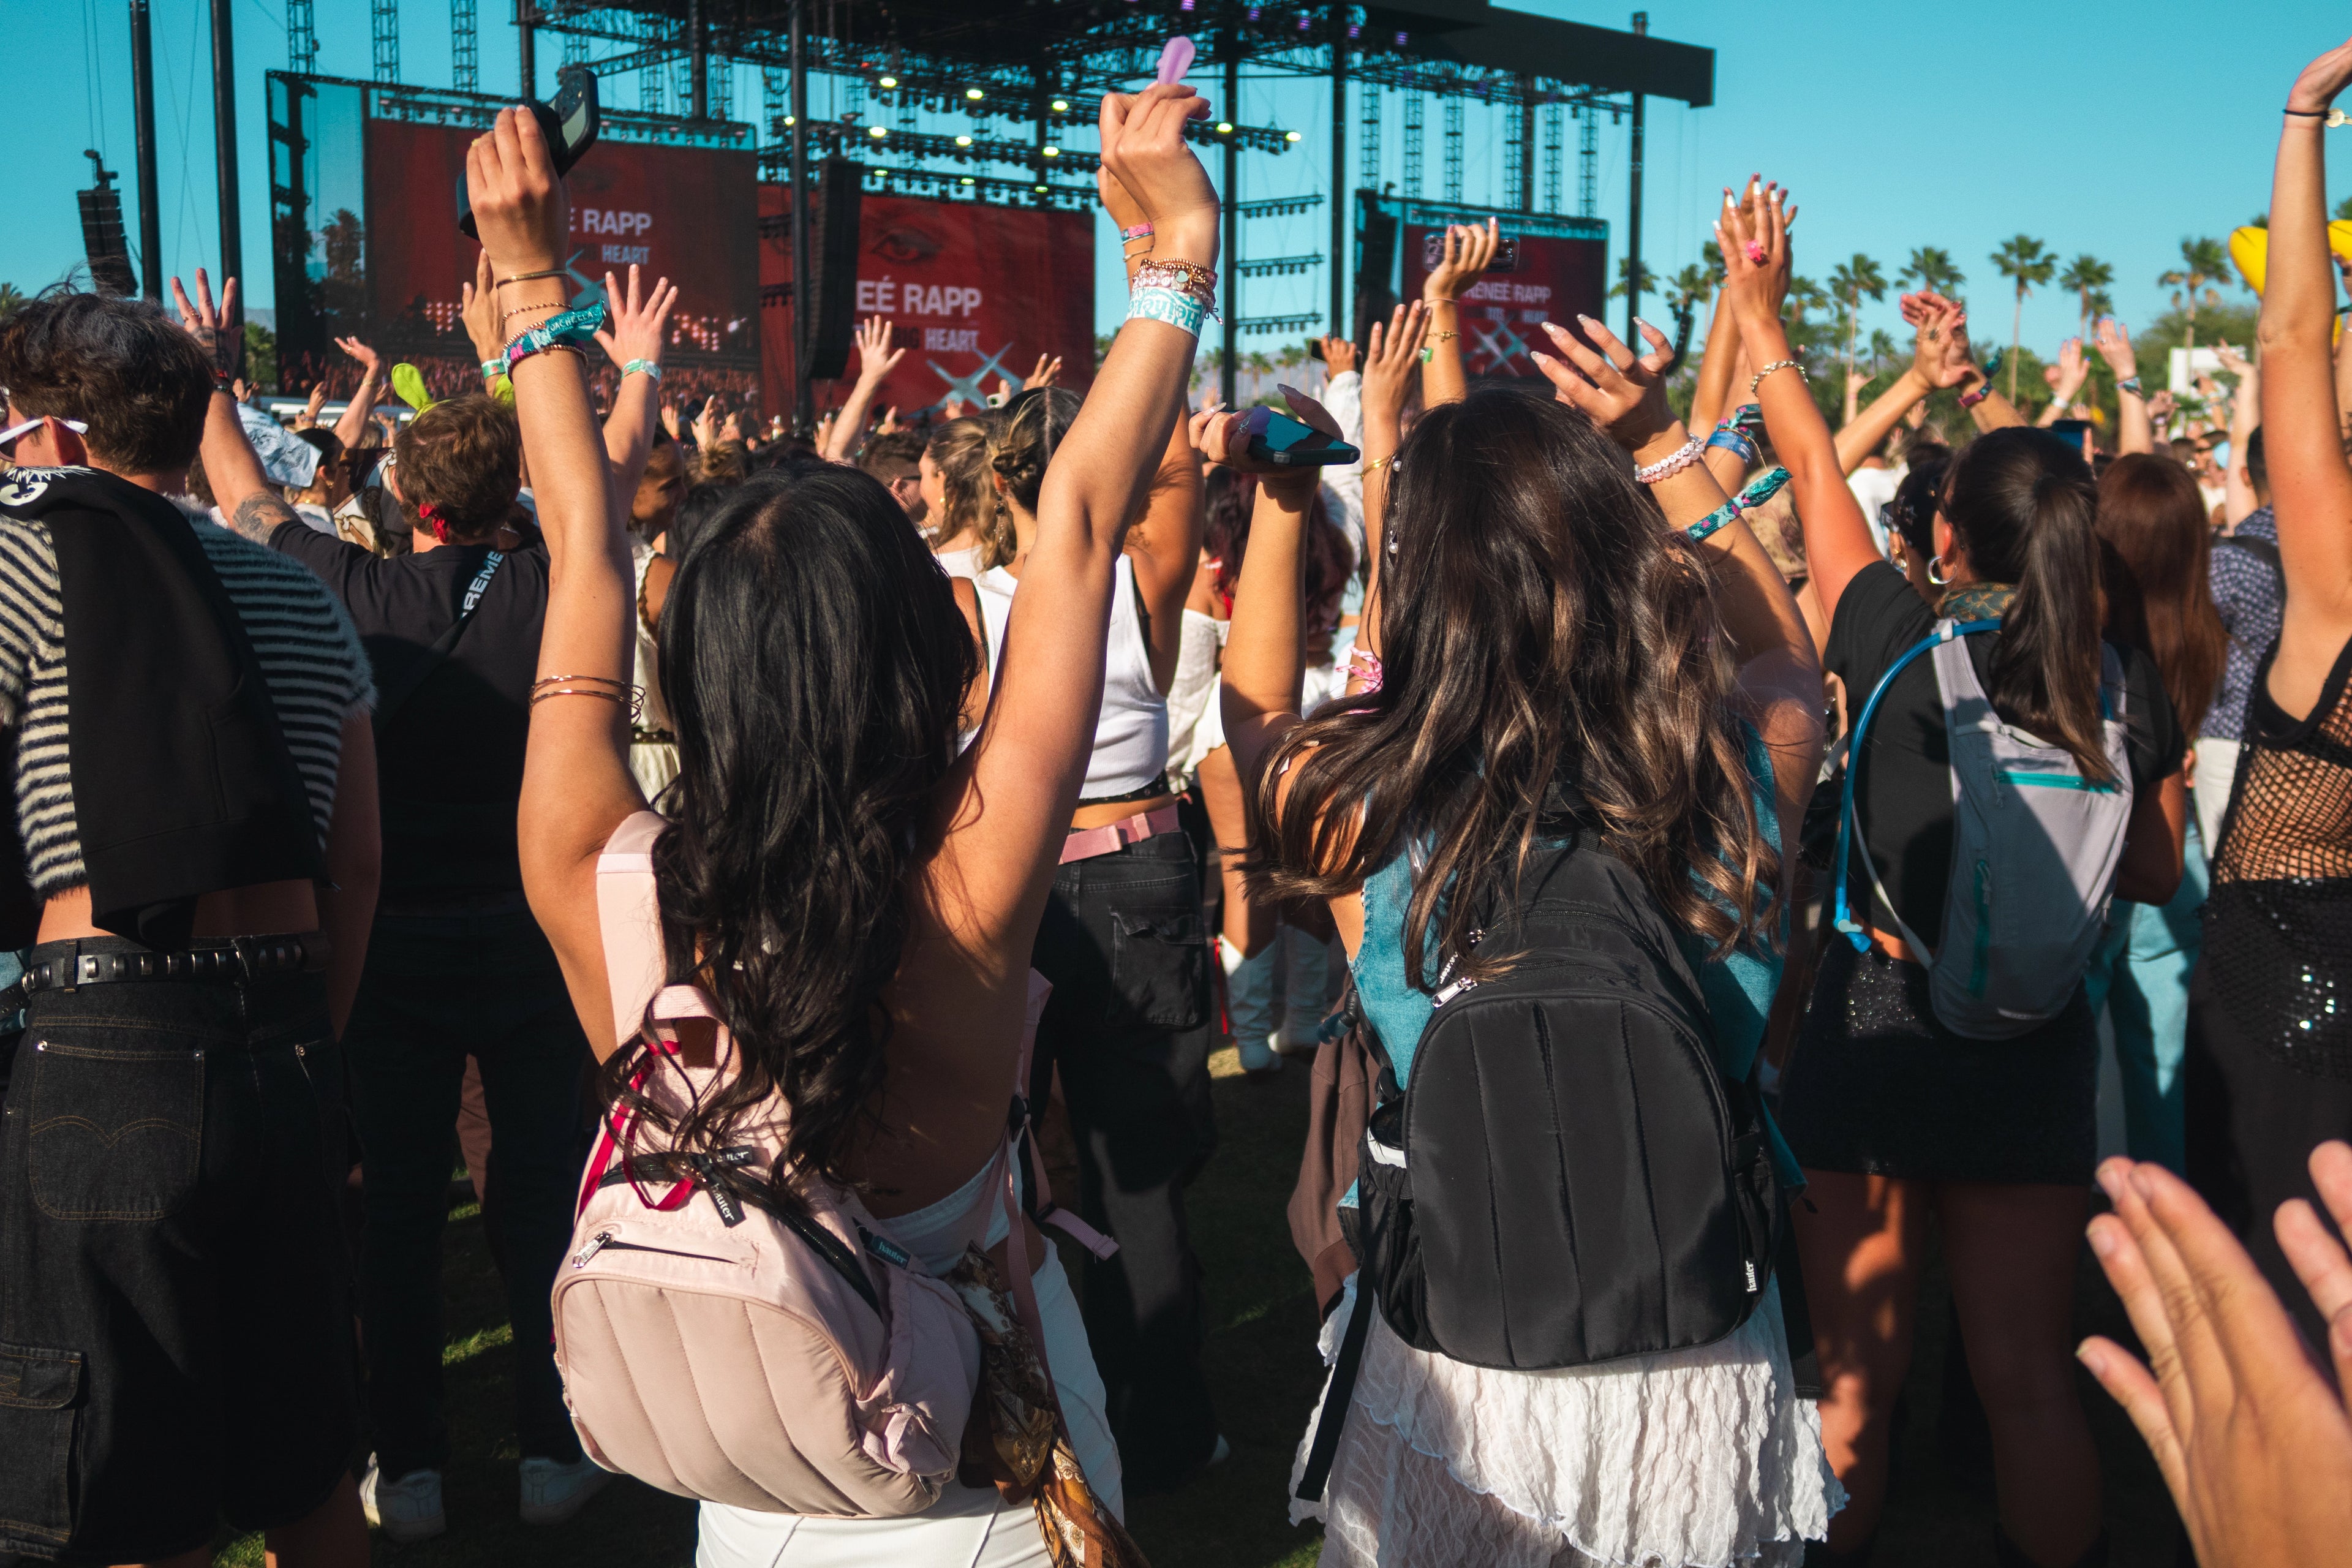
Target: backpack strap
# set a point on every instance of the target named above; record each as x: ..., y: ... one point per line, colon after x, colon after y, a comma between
x: 1337, y: 1396
x: 1855, y: 931
x: 1020, y: 1157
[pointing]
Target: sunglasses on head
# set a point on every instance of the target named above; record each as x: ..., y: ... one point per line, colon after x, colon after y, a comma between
x: 10, y: 435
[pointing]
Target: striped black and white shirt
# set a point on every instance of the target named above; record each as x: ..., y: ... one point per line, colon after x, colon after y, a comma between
x: 309, y: 654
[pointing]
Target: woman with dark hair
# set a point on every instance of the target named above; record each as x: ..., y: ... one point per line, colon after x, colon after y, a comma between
x: 1892, y: 1113
x: 2160, y: 600
x: 1124, y: 941
x: 857, y: 899
x: 2269, y: 1041
x: 1568, y: 631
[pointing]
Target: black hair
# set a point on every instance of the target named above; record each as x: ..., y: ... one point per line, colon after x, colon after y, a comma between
x: 2023, y: 504
x: 802, y: 798
x: 695, y: 515
x: 1913, y: 511
x: 122, y: 367
x: 2257, y: 471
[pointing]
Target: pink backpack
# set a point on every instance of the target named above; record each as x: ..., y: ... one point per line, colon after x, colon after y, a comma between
x: 722, y: 1351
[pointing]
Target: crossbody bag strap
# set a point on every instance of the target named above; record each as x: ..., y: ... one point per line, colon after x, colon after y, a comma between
x: 389, y: 702
x: 1336, y: 1396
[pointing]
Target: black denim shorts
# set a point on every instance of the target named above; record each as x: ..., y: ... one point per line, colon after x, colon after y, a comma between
x: 176, y: 1341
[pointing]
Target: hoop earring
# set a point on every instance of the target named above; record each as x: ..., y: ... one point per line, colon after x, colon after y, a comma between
x: 1935, y: 565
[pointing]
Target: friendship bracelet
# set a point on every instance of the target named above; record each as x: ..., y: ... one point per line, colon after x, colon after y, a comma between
x: 1777, y: 364
x: 1673, y: 463
x: 1763, y: 487
x: 1135, y: 231
x: 1971, y: 399
x: 493, y: 368
x: 1734, y: 440
x: 1747, y: 419
x: 570, y: 330
x: 646, y: 367
x: 1365, y: 665
x: 1156, y: 303
x: 2130, y: 384
x: 2330, y: 118
x: 526, y: 277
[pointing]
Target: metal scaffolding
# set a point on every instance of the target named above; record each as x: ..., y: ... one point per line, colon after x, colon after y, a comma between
x: 302, y: 35
x: 1553, y: 114
x: 1368, y: 134
x: 383, y: 24
x: 465, y: 46
x: 1412, y: 141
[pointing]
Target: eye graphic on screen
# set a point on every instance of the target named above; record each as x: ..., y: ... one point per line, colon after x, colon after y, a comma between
x: 905, y: 247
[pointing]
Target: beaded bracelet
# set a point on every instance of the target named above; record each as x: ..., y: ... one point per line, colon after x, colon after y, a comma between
x: 1183, y: 277
x: 1156, y: 303
x: 1754, y: 380
x: 646, y: 367
x: 570, y: 330
x: 1673, y: 463
x: 1763, y: 487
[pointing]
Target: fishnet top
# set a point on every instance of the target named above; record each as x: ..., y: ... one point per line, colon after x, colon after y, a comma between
x: 2279, y: 922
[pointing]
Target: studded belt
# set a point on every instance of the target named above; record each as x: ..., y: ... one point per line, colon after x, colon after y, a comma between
x: 65, y: 966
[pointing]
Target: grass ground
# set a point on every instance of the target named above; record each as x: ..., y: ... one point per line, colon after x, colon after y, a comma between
x: 1265, y: 1373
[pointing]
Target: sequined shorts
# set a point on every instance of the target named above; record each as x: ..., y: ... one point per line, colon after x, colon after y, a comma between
x: 1878, y: 1085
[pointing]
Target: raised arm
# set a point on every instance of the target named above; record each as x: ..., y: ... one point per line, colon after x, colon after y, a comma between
x: 1390, y: 357
x: 1468, y: 249
x: 2134, y: 433
x: 576, y: 785
x: 875, y: 359
x: 632, y: 338
x: 1837, y: 541
x: 2311, y: 489
x: 241, y: 490
x: 353, y: 423
x: 2071, y: 372
x: 1165, y: 546
x: 1930, y: 369
x: 2239, y: 501
x: 1711, y: 396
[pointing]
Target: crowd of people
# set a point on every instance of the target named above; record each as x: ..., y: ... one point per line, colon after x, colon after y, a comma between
x: 1693, y: 851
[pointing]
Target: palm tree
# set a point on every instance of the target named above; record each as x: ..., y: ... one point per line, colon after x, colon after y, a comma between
x: 1932, y: 269
x: 2202, y: 261
x: 1259, y: 368
x: 1849, y: 281
x: 1882, y: 348
x: 12, y: 300
x: 1624, y: 270
x: 2026, y: 262
x: 2088, y: 276
x: 1689, y: 286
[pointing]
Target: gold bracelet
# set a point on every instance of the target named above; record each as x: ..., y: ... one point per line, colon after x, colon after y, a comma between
x: 1439, y: 337
x: 1776, y: 364
x: 519, y: 309
x: 1377, y: 464
x: 526, y: 277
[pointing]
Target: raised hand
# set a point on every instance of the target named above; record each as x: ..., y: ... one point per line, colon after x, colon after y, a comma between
x: 889, y: 426
x: 706, y: 424
x: 1390, y: 356
x: 1048, y: 371
x: 1756, y: 253
x: 2316, y: 87
x: 824, y: 426
x: 2233, y: 362
x: 1469, y: 250
x: 309, y: 417
x: 2112, y: 340
x: 876, y: 357
x: 478, y: 309
x: 2253, y: 1442
x: 1124, y: 211
x: 639, y: 323
x: 520, y: 206
x: 2160, y: 407
x: 669, y: 421
x: 210, y: 324
x: 2070, y: 371
x: 370, y: 362
x: 732, y: 427
x: 1223, y: 437
x: 1623, y: 393
x: 1143, y: 148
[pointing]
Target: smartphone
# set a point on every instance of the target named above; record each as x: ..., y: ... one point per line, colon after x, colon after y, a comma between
x: 2077, y: 431
x: 568, y: 121
x: 1278, y: 438
x: 1433, y: 253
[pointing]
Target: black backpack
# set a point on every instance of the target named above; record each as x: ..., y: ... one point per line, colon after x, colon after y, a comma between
x: 1566, y: 1179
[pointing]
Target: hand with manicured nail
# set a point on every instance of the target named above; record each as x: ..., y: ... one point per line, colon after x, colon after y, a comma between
x: 1623, y: 393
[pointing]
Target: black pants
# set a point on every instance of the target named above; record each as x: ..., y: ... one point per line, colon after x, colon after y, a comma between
x: 175, y: 1306
x: 438, y: 989
x: 1125, y: 945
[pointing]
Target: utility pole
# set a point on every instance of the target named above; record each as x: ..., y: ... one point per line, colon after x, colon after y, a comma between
x: 1527, y: 143
x: 1339, y: 325
x: 232, y: 247
x: 1633, y: 218
x: 1229, y: 371
x: 526, y: 32
x: 143, y: 117
x: 698, y: 55
x: 804, y: 292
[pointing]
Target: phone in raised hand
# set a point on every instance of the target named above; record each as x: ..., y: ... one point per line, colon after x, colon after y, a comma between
x: 1278, y: 438
x: 568, y: 122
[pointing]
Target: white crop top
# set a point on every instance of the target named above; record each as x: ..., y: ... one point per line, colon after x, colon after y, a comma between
x: 1131, y: 732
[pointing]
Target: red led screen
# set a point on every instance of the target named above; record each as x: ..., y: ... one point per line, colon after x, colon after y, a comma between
x: 1501, y: 317
x: 974, y: 292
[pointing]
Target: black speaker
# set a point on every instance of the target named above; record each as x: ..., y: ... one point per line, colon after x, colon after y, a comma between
x: 1375, y: 261
x: 833, y: 256
x: 101, y: 235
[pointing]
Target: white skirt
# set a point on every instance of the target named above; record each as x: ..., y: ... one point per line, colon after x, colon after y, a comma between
x: 1699, y: 1458
x: 967, y: 1528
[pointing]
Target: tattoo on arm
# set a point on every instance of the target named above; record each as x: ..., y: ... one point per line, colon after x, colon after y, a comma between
x: 259, y: 516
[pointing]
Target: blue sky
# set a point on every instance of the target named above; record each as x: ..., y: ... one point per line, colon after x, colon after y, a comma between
x: 1896, y: 126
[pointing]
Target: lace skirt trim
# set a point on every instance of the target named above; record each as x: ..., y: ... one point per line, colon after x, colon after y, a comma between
x: 1701, y: 1458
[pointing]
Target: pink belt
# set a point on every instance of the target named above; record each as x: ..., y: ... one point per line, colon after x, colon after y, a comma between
x: 1086, y: 843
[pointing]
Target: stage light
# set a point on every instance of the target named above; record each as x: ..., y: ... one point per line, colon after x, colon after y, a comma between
x: 974, y: 94
x: 1290, y: 136
x: 1041, y: 190
x: 1225, y: 128
x: 967, y: 179
x: 790, y: 121
x: 1061, y: 106
x: 878, y: 131
x: 1051, y: 152
x: 963, y: 140
x: 889, y: 82
x: 1399, y: 40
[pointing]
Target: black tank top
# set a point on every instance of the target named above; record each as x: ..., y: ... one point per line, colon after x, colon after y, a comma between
x: 2278, y: 932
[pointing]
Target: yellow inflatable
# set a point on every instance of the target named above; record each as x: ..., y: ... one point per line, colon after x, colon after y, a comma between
x: 2250, y: 249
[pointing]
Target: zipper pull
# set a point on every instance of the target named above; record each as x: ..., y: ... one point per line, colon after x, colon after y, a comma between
x: 596, y: 1244
x: 1750, y: 1267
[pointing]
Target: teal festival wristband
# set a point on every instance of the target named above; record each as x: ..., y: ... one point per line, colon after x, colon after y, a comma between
x: 1181, y: 311
x: 1763, y: 487
x: 573, y: 327
x: 493, y: 368
x: 651, y: 371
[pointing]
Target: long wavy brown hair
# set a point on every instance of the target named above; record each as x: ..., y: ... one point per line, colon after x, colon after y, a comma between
x: 1553, y: 659
x: 2153, y: 517
x: 963, y: 450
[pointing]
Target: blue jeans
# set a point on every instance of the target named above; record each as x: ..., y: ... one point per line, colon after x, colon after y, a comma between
x: 2141, y: 971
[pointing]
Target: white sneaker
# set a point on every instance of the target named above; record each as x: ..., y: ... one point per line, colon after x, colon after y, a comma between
x: 552, y: 1493
x: 405, y: 1509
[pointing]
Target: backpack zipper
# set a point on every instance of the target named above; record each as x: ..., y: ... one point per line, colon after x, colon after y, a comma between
x: 1448, y: 988
x: 603, y: 1239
